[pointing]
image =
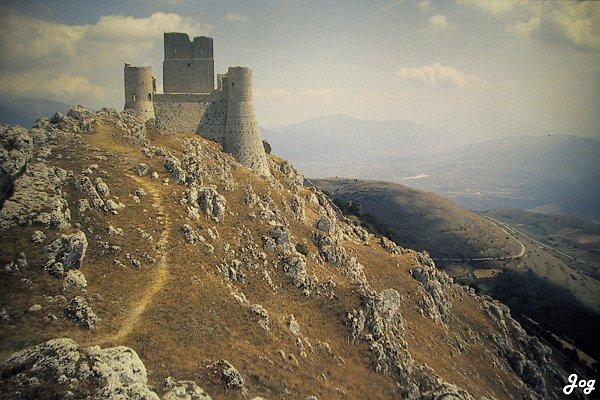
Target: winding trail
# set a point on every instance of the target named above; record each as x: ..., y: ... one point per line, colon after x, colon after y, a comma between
x: 537, y: 242
x: 510, y: 231
x: 161, y: 272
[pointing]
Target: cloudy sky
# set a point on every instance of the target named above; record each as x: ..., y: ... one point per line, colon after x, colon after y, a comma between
x: 468, y: 68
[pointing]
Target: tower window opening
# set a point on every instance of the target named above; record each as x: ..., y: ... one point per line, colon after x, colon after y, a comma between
x: 188, y: 65
x: 133, y: 98
x: 150, y: 96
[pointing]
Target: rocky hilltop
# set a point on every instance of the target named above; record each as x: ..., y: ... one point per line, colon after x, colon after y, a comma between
x: 144, y: 266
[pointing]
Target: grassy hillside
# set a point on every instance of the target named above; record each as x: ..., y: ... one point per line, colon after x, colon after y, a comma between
x: 191, y: 259
x: 545, y: 267
x: 573, y: 239
x: 423, y: 220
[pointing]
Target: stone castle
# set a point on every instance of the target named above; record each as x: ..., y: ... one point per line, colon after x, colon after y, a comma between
x: 190, y: 102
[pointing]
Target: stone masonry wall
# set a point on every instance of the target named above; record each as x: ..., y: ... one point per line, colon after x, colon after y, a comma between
x: 212, y: 125
x: 191, y: 104
x: 179, y: 112
x: 188, y: 66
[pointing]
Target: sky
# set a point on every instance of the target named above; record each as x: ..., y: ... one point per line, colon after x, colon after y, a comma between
x: 468, y: 69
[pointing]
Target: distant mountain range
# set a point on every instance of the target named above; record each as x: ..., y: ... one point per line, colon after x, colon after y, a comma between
x: 555, y: 174
x: 25, y: 112
x: 327, y: 146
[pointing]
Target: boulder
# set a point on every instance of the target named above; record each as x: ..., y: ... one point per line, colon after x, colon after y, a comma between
x: 16, y: 149
x: 263, y: 315
x: 60, y: 368
x: 74, y: 279
x: 182, y: 390
x: 228, y: 374
x: 66, y: 252
x: 212, y: 203
x: 142, y: 169
x: 80, y: 311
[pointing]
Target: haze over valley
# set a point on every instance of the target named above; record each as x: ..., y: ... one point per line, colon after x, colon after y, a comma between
x: 549, y: 173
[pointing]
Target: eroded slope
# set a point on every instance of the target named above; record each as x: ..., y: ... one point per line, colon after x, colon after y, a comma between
x: 246, y: 285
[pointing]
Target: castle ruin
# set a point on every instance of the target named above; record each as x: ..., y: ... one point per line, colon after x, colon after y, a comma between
x: 190, y: 102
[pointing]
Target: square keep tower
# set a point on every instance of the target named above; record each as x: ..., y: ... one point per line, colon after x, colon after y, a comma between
x: 189, y: 66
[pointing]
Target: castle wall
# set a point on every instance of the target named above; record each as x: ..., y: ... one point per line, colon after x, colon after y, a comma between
x: 181, y: 97
x: 177, y: 113
x: 188, y: 66
x: 212, y: 124
x: 139, y: 90
x: 242, y: 134
x: 190, y: 103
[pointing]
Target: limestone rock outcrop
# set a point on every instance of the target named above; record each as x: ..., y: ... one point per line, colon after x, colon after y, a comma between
x: 435, y: 302
x: 16, y: 149
x: 66, y: 252
x: 80, y: 311
x: 64, y: 369
x: 37, y: 199
x: 182, y: 390
x: 212, y: 203
x: 228, y: 374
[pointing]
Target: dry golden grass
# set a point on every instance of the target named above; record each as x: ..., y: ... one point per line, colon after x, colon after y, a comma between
x: 179, y: 314
x: 425, y: 221
x: 486, y: 273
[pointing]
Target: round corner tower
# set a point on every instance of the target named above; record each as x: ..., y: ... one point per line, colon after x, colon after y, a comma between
x: 242, y: 135
x: 140, y: 87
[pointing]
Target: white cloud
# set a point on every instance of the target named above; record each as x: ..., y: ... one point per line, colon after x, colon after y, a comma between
x: 580, y: 22
x: 438, y: 23
x: 424, y: 5
x: 391, y: 5
x: 231, y: 17
x: 577, y: 22
x: 69, y: 89
x: 126, y: 28
x: 26, y: 40
x: 277, y: 93
x: 495, y: 7
x: 438, y: 75
x: 80, y: 63
x: 527, y: 28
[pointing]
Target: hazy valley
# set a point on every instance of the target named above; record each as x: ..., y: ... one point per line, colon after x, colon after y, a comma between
x: 550, y: 173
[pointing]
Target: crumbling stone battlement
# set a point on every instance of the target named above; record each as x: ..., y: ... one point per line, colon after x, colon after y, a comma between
x: 190, y: 102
